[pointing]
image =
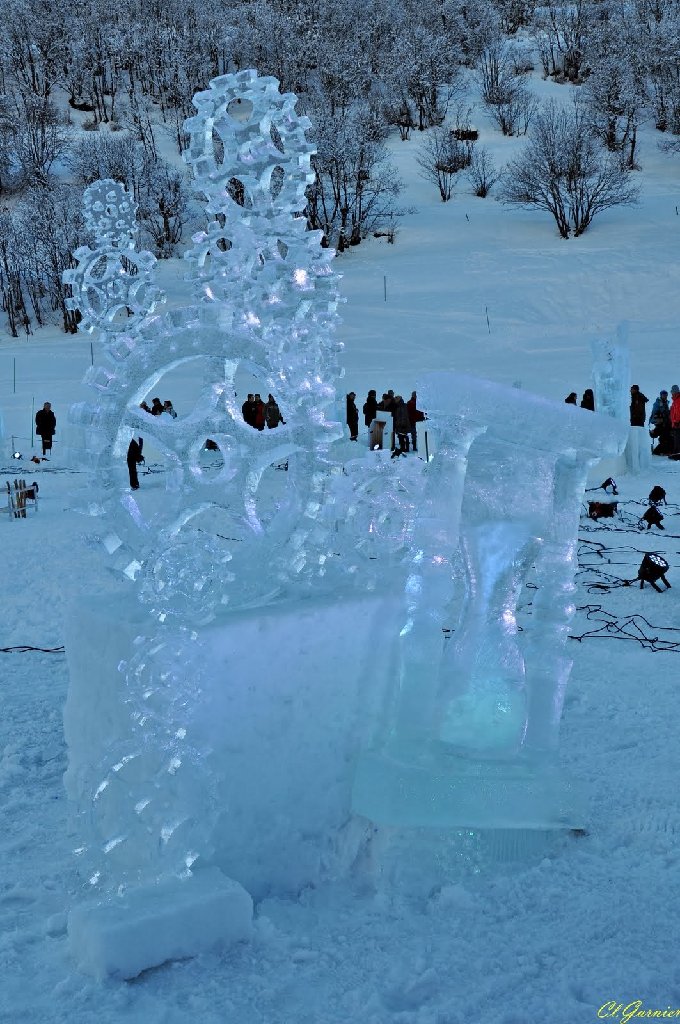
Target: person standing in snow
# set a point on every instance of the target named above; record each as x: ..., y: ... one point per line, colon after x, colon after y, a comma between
x: 168, y: 407
x: 402, y: 424
x: 638, y: 403
x: 675, y: 419
x: 258, y: 413
x: 369, y: 409
x: 415, y: 417
x: 248, y: 410
x: 46, y: 426
x: 588, y: 400
x: 272, y: 413
x: 571, y: 399
x: 660, y: 422
x: 352, y: 417
x: 134, y: 458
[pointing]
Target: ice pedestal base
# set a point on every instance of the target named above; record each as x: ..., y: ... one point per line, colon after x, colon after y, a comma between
x: 447, y: 791
x: 122, y: 936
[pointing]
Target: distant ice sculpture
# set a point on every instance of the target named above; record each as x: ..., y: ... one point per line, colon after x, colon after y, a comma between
x: 471, y: 736
x: 611, y: 374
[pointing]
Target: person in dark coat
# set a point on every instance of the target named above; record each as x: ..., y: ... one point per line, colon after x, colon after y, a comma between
x: 402, y: 424
x: 259, y: 418
x: 46, y: 426
x: 156, y: 407
x: 248, y: 411
x: 415, y: 417
x: 660, y: 422
x: 638, y: 402
x: 588, y: 400
x: 272, y: 413
x: 134, y: 458
x: 352, y: 416
x: 370, y: 407
x: 571, y: 399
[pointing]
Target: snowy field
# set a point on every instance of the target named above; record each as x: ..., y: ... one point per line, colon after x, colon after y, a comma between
x: 486, y: 290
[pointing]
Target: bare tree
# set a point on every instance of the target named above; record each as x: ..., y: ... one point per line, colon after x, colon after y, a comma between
x: 509, y: 101
x: 441, y: 158
x: 355, y: 185
x: 41, y: 135
x: 482, y: 172
x: 566, y: 171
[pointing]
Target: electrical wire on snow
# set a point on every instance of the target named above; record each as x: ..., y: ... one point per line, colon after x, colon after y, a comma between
x: 628, y: 627
x: 25, y: 648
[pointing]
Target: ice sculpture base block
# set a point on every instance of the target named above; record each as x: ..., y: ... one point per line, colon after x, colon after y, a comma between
x: 291, y: 693
x: 177, y: 918
x: 447, y: 791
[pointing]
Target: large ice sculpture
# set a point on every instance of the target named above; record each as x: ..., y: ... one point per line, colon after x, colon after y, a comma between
x: 471, y: 736
x: 265, y: 298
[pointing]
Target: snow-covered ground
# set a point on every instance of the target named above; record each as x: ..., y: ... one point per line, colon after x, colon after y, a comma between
x: 590, y: 919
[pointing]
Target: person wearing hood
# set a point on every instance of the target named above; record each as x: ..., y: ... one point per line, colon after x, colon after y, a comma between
x: 571, y: 399
x: 588, y: 400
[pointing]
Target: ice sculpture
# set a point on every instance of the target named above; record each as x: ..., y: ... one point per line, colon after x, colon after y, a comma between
x: 265, y: 297
x: 611, y: 374
x: 468, y: 736
x: 471, y: 737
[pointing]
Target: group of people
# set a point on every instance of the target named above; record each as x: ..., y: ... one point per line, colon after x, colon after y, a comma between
x: 664, y: 422
x: 259, y: 414
x: 587, y: 402
x: 157, y: 408
x: 664, y: 419
x: 405, y: 419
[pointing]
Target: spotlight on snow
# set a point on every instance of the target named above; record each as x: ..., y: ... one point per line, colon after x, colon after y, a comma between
x: 653, y: 568
x: 17, y: 455
x: 652, y: 517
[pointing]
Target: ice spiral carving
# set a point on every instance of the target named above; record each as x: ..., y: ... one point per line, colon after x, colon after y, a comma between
x: 233, y: 534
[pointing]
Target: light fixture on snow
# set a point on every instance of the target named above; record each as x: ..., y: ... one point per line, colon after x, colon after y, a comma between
x: 657, y: 496
x: 17, y: 455
x: 652, y: 517
x: 602, y: 509
x: 653, y: 568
